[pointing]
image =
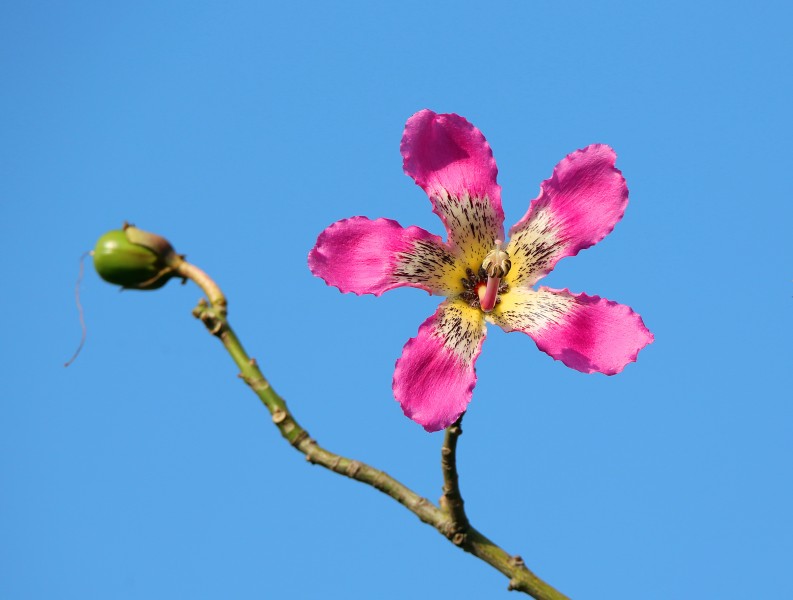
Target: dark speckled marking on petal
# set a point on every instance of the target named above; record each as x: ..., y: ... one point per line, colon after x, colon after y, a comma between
x: 430, y: 265
x: 534, y: 249
x: 461, y: 328
x: 472, y: 225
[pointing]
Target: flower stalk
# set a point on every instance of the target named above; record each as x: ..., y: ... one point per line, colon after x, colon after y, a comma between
x: 452, y: 501
x: 449, y: 518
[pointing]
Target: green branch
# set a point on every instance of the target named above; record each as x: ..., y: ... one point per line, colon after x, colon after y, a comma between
x: 449, y: 519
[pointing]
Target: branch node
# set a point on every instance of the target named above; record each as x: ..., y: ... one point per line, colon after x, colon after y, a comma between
x: 458, y: 539
x: 208, y: 317
x: 379, y: 480
x: 353, y: 469
x: 420, y: 503
x: 298, y: 439
x: 279, y: 416
x: 257, y: 382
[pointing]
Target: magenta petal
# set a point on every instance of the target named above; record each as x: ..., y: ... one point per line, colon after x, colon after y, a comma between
x: 577, y: 207
x: 587, y: 333
x: 446, y: 152
x: 434, y: 378
x: 370, y: 257
x: 451, y: 160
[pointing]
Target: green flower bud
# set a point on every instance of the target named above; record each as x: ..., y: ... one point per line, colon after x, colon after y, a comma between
x: 135, y: 259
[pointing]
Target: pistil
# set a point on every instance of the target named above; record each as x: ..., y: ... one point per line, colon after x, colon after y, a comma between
x: 488, y: 294
x: 496, y: 264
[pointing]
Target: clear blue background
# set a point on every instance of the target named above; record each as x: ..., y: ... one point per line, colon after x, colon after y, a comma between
x: 241, y: 130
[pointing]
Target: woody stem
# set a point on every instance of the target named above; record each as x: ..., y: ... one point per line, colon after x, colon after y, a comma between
x: 452, y: 501
x: 214, y: 316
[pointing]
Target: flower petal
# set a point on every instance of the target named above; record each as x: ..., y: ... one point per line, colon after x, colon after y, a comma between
x: 577, y: 207
x: 587, y: 333
x: 434, y: 378
x: 370, y: 257
x: 452, y: 161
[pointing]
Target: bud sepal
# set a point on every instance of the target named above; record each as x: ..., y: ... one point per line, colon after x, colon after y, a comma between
x: 135, y: 259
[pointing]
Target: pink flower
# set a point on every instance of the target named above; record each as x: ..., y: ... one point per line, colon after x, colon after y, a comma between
x: 483, y: 280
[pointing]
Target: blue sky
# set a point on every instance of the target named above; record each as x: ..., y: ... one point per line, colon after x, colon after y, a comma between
x: 240, y: 131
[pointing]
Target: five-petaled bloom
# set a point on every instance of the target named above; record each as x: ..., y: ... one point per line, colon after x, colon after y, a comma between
x: 483, y: 279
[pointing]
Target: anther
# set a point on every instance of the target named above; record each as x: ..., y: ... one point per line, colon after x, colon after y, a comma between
x: 497, y: 263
